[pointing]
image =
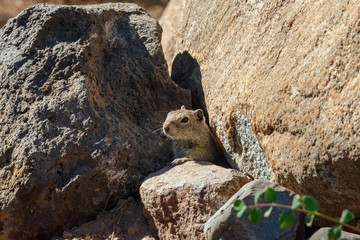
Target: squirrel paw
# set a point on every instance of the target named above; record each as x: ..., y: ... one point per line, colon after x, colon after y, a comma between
x: 179, y: 161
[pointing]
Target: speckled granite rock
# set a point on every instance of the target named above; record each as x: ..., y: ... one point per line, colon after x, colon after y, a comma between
x: 170, y: 22
x: 291, y: 69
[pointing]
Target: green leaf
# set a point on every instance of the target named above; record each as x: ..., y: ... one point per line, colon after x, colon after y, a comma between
x: 240, y: 207
x: 286, y: 218
x: 240, y: 213
x: 239, y: 204
x: 322, y: 238
x: 255, y: 215
x: 309, y: 219
x: 267, y: 213
x: 334, y: 233
x: 310, y: 203
x: 270, y: 195
x: 346, y: 216
x: 257, y: 195
x: 296, y: 201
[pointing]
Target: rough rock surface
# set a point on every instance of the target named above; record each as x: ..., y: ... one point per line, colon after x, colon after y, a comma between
x: 11, y: 8
x: 292, y: 67
x: 82, y: 90
x: 124, y: 221
x: 170, y: 25
x: 178, y: 201
x: 322, y: 232
x: 225, y: 225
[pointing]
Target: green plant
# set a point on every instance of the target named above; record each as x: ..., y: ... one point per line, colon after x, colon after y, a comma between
x: 305, y: 204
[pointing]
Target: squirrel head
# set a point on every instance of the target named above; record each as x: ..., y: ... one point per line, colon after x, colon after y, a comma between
x: 184, y: 124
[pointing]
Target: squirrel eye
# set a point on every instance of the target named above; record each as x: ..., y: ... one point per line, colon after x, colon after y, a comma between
x: 184, y: 120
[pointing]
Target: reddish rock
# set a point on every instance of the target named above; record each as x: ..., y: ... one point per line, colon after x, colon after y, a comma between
x: 289, y: 69
x: 178, y: 201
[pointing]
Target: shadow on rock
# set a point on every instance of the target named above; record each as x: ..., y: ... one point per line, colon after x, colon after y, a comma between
x: 186, y: 73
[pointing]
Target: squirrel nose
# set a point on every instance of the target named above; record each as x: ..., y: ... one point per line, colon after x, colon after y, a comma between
x: 166, y: 128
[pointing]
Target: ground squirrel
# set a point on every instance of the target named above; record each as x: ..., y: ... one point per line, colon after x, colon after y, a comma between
x: 192, y: 137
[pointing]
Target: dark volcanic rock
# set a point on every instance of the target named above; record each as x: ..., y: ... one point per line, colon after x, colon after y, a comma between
x: 9, y: 8
x: 82, y: 90
x: 124, y: 221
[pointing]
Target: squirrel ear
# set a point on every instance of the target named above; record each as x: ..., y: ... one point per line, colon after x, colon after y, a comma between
x: 199, y: 114
x: 183, y: 107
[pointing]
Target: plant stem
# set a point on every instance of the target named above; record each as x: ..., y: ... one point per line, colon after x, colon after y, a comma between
x: 305, y: 211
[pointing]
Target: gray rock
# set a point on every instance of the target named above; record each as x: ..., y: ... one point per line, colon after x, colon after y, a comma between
x: 224, y: 224
x: 322, y: 232
x: 82, y: 90
x: 244, y: 152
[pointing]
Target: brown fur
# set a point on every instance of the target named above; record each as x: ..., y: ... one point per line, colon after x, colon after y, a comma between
x: 193, y: 138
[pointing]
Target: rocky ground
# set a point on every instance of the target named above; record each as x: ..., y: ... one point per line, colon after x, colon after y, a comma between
x: 124, y: 221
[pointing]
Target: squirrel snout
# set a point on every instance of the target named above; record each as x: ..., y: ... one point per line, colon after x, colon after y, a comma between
x: 166, y: 128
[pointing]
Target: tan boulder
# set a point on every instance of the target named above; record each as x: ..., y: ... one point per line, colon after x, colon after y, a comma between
x: 171, y: 27
x: 292, y: 70
x: 178, y: 201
